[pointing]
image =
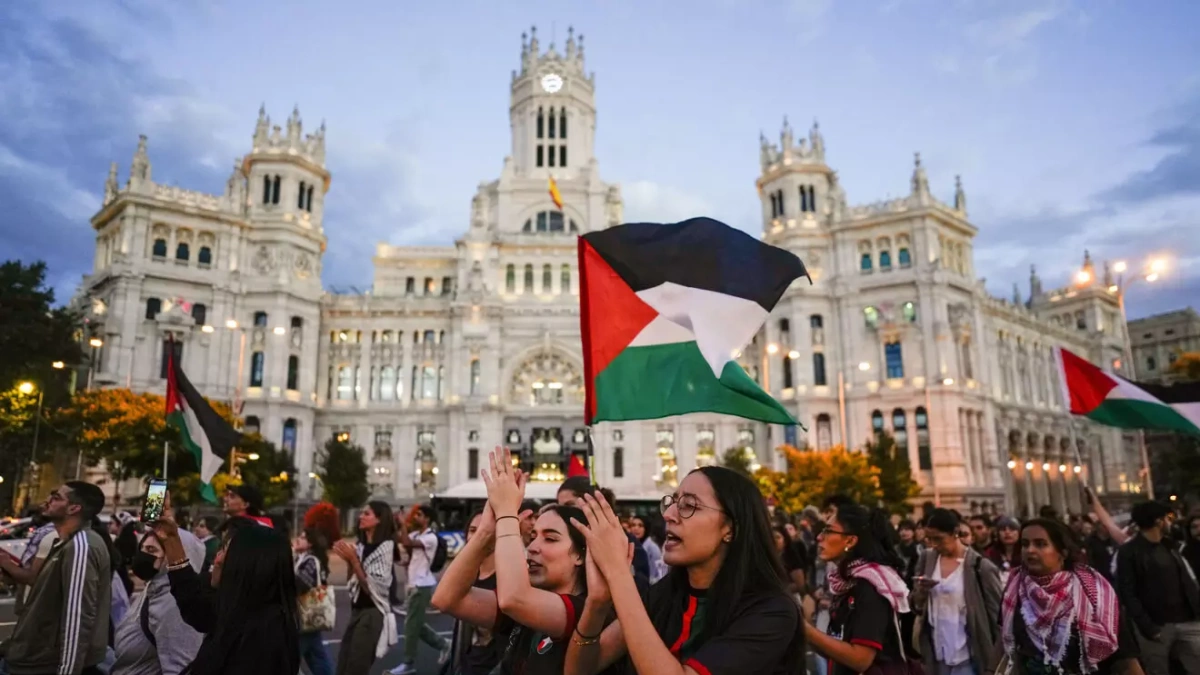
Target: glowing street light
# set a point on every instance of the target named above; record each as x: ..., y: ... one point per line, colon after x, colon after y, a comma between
x: 96, y: 343
x: 1082, y: 277
x: 793, y: 355
x: 1158, y: 265
x: 864, y: 366
x: 58, y: 365
x: 772, y: 348
x: 1120, y: 266
x: 25, y: 388
x: 1152, y: 277
x: 231, y: 324
x: 1012, y: 463
x: 253, y: 457
x: 280, y: 330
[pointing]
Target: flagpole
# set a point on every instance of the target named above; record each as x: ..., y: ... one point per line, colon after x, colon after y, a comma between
x: 591, y: 457
x: 166, y: 454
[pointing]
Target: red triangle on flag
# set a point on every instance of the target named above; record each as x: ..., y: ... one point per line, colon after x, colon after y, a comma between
x: 576, y: 467
x: 610, y: 316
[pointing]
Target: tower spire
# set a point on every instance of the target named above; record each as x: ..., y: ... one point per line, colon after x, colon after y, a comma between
x: 110, y: 185
x: 960, y: 197
x: 139, y: 169
x: 920, y: 182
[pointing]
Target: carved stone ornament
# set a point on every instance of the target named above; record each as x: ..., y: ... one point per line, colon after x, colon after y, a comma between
x: 303, y: 266
x: 959, y: 315
x: 263, y: 261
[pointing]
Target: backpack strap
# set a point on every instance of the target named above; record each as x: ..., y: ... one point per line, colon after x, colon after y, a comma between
x: 144, y: 618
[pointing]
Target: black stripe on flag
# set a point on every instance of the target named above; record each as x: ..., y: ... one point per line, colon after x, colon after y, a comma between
x: 698, y: 253
x: 1184, y: 392
x: 221, y: 436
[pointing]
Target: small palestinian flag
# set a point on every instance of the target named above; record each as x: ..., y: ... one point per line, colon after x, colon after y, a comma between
x: 201, y: 430
x: 1116, y: 402
x: 664, y: 310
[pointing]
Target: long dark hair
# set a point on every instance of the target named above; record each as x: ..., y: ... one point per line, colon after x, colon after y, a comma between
x: 1061, y: 538
x: 318, y: 547
x: 751, y: 567
x: 578, y: 542
x: 258, y: 587
x: 386, y: 529
x: 876, y: 539
x: 791, y: 556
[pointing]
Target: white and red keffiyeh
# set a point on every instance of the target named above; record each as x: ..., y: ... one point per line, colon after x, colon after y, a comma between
x: 884, y: 579
x: 1054, y: 605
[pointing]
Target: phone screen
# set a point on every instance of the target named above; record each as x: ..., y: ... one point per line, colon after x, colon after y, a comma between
x: 152, y: 507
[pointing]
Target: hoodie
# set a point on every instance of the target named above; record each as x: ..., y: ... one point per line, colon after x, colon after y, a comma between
x: 174, y: 644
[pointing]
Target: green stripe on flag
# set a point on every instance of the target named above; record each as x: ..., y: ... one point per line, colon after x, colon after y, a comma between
x: 1129, y: 413
x: 179, y: 421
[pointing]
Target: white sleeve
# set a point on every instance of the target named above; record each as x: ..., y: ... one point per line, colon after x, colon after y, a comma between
x: 428, y: 543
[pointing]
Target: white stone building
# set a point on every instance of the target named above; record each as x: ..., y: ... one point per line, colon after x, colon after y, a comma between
x: 458, y: 348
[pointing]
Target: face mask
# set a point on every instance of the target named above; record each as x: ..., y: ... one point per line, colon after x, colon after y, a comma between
x: 143, y: 566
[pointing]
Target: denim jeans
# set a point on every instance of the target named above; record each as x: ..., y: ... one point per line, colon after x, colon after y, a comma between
x: 313, y: 652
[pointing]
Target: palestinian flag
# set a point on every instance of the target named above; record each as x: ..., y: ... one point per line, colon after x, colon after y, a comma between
x: 663, y: 311
x: 1116, y: 402
x: 201, y: 430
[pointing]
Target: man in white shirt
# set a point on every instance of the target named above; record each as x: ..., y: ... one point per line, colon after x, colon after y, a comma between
x: 421, y: 542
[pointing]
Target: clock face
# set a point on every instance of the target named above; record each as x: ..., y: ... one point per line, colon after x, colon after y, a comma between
x: 552, y: 83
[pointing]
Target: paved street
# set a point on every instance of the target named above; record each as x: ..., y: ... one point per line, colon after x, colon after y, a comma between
x: 427, y: 658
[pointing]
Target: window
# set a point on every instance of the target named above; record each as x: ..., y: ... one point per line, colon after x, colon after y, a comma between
x: 182, y: 252
x: 257, y: 362
x: 824, y: 432
x: 429, y: 382
x: 787, y: 371
x: 297, y: 323
x: 779, y: 199
x: 785, y: 326
x: 153, y: 307
x: 539, y: 156
x: 428, y: 285
x: 289, y: 435
x: 529, y: 278
x: 415, y: 382
x: 428, y: 337
x: 904, y: 257
x: 541, y: 124
x: 774, y: 205
x: 266, y: 189
x: 300, y: 199
x: 308, y: 200
x: 170, y: 347
x: 474, y: 376
x: 618, y: 459
x: 447, y: 285
x: 293, y: 373
x: 562, y: 155
x: 510, y: 278
x: 895, y: 360
x: 877, y: 422
x: 910, y: 312
x: 562, y: 122
x: 275, y: 190
x: 817, y: 323
x: 260, y: 319
x: 205, y: 256
x: 885, y: 260
x: 473, y: 463
x: 900, y: 429
x: 547, y: 279
x: 252, y: 424
x: 804, y: 199
x: 159, y: 249
x: 865, y: 263
x: 345, y: 383
x: 924, y: 457
x: 819, y: 369
x: 1151, y: 363
x: 199, y: 314
x: 565, y: 280
x: 387, y: 383
x: 1080, y: 321
x: 410, y: 286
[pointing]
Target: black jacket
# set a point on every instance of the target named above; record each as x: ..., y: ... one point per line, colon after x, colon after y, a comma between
x: 1140, y: 588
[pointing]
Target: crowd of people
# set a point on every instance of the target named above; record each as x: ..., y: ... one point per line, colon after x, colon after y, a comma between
x: 716, y: 584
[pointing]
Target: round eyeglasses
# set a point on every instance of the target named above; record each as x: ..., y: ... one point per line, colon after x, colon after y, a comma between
x: 685, y: 504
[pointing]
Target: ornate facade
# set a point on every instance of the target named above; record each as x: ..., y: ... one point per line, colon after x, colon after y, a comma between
x: 459, y: 348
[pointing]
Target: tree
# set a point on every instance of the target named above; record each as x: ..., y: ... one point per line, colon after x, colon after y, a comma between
x: 1186, y: 367
x: 813, y: 476
x: 271, y: 471
x: 33, y: 332
x: 741, y: 460
x: 344, y: 474
x: 896, y: 484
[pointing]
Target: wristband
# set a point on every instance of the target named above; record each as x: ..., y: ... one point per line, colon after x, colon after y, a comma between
x: 178, y: 565
x: 585, y: 640
x: 503, y: 517
x: 510, y: 534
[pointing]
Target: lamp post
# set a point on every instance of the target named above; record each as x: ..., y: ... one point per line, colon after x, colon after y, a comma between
x: 27, y: 388
x: 232, y: 325
x: 95, y: 343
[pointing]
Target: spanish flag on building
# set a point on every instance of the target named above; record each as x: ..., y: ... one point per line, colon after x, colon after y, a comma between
x: 555, y: 195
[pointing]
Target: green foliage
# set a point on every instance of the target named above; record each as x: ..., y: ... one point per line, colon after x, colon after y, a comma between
x: 896, y: 484
x: 813, y: 476
x: 33, y: 333
x: 737, y: 459
x: 344, y: 474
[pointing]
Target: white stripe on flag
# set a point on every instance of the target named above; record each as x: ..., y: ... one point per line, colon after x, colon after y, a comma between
x: 210, y: 464
x: 721, y: 323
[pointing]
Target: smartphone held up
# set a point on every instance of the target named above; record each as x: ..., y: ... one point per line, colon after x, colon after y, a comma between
x: 156, y: 496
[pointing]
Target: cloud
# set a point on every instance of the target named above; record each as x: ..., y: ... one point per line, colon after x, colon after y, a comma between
x: 647, y: 201
x: 810, y: 15
x: 1178, y: 172
x: 1009, y: 30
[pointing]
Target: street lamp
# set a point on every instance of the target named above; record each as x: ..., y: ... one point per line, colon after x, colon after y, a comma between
x: 95, y: 343
x: 25, y: 388
x: 58, y: 365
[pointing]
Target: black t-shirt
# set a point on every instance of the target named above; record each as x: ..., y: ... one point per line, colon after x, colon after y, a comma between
x: 864, y: 617
x: 483, y: 650
x: 530, y: 652
x: 755, y: 641
x: 364, y: 600
x: 1127, y: 648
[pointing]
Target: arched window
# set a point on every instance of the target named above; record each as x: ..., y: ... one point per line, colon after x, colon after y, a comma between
x: 894, y: 358
x: 565, y: 280
x: 817, y: 323
x: 275, y: 190
x: 885, y: 260
x: 824, y: 432
x: 541, y: 124
x: 289, y: 435
x: 900, y: 429
x: 300, y: 198
x: 864, y: 263
x: 260, y: 319
x: 812, y: 199
x: 160, y: 248
x: 924, y: 457
x: 199, y: 313
x: 818, y: 360
x: 153, y: 308
x: 308, y: 200
x: 553, y: 120
x: 787, y: 371
x: 618, y: 460
x: 547, y: 279
x: 774, y: 205
x: 205, y: 256
x: 387, y: 383
x: 510, y: 278
x: 266, y: 189
x: 474, y: 376
x: 905, y: 258
x: 877, y: 422
x: 803, y: 199
x: 182, y: 252
x: 562, y: 155
x: 293, y: 374
x: 562, y: 124
x: 257, y: 364
x: 529, y: 278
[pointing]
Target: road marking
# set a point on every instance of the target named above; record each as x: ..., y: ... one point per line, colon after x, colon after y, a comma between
x: 8, y: 623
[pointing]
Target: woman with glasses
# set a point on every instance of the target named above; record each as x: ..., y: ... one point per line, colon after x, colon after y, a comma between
x: 723, y: 609
x: 958, y: 593
x: 539, y: 591
x: 868, y: 594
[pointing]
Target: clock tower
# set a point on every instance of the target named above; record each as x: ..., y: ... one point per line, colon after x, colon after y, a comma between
x: 553, y: 111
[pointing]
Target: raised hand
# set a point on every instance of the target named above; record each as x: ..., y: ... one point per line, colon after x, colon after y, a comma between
x: 166, y: 527
x: 505, y: 483
x: 608, y: 545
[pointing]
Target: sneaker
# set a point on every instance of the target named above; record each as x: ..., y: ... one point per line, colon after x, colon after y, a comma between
x: 444, y: 656
x: 404, y: 669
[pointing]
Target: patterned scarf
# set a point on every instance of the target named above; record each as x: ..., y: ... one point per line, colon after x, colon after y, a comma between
x: 884, y: 579
x: 1053, y: 605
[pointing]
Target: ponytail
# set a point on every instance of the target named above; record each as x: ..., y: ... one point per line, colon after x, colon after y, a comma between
x: 876, y: 539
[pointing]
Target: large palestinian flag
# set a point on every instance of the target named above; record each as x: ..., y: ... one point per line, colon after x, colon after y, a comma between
x: 1105, y: 398
x: 201, y: 430
x: 663, y: 311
